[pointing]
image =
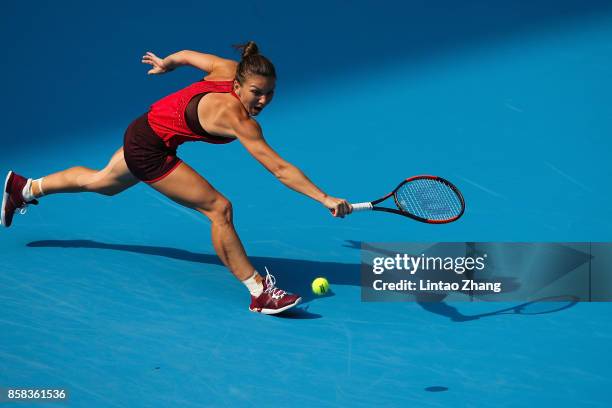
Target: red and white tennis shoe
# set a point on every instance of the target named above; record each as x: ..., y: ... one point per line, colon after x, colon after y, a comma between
x: 12, y: 197
x: 273, y: 300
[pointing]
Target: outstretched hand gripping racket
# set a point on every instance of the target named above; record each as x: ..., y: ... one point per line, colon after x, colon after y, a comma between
x: 428, y: 199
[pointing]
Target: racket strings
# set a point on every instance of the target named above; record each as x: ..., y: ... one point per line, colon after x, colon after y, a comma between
x: 429, y: 199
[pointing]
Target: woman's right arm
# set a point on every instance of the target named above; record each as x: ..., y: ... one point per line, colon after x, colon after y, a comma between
x: 205, y: 62
x: 250, y: 135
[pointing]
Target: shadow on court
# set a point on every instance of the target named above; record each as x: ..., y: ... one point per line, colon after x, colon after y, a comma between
x: 293, y: 275
x: 296, y: 274
x: 544, y: 305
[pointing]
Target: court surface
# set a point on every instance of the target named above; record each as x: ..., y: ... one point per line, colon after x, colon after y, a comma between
x: 123, y: 301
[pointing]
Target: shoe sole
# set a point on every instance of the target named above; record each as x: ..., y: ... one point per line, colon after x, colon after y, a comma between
x: 5, y: 197
x: 275, y: 311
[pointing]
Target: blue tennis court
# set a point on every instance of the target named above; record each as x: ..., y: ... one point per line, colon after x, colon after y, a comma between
x: 122, y: 300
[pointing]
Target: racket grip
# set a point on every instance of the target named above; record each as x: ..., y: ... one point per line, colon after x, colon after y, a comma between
x: 361, y: 206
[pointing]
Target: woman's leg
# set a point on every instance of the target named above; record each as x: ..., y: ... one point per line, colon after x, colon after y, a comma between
x: 111, y: 180
x: 185, y: 186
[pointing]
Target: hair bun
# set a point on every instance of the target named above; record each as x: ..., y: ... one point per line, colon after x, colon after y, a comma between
x: 248, y: 49
x: 253, y: 63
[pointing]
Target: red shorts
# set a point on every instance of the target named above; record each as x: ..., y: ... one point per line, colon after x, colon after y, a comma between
x: 146, y: 155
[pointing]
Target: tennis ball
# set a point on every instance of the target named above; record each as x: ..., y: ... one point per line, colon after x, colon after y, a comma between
x: 320, y: 286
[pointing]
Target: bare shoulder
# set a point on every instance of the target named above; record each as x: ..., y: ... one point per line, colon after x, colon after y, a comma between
x: 229, y: 64
x: 242, y: 125
x: 223, y: 70
x: 225, y: 116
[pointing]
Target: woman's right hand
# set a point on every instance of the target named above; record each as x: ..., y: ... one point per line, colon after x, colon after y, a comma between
x: 157, y: 63
x: 339, y: 207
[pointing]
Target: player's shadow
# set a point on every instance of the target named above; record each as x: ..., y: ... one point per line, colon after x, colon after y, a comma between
x: 298, y: 313
x: 293, y: 275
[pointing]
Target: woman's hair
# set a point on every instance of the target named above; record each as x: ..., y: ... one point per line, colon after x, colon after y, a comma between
x: 253, y: 63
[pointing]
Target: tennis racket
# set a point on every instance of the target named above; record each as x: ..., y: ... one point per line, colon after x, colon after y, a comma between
x: 428, y: 199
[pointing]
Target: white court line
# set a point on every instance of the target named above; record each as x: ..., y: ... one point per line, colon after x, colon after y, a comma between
x: 568, y: 177
x: 486, y: 190
x: 512, y: 107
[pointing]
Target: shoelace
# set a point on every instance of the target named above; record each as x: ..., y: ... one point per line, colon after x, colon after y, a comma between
x: 271, y: 288
x: 23, y: 209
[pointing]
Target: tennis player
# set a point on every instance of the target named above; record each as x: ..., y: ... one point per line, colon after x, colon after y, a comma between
x: 218, y: 109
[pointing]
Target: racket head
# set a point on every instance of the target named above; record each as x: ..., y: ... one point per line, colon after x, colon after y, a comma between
x: 429, y: 199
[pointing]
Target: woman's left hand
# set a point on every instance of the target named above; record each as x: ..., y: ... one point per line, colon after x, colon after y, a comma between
x: 156, y: 62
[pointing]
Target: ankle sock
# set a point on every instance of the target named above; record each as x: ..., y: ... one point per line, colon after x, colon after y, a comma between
x: 254, y: 284
x: 27, y: 192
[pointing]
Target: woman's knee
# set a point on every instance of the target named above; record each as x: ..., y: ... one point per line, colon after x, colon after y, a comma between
x: 105, y: 182
x: 102, y: 184
x: 219, y: 210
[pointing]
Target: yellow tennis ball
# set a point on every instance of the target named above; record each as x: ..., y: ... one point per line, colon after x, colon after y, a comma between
x: 320, y: 286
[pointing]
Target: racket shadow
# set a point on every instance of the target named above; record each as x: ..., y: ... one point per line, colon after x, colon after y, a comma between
x: 438, y: 303
x: 544, y: 305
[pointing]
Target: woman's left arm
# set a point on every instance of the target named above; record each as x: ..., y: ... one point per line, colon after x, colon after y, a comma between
x: 205, y: 62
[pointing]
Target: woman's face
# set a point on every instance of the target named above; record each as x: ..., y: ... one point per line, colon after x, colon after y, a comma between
x: 255, y: 93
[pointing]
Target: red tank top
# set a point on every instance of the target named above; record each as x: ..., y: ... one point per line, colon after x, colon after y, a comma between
x: 167, y: 116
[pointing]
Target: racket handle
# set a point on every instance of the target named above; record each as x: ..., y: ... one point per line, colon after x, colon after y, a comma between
x: 361, y: 206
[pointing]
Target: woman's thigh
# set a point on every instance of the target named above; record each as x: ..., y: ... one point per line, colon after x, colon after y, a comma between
x: 112, y: 179
x: 185, y: 186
